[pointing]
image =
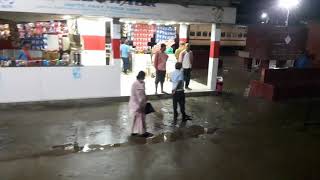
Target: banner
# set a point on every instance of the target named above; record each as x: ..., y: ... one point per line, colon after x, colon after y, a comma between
x: 169, y: 12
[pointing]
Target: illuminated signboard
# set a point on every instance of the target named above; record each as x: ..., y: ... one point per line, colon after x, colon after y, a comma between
x: 129, y: 2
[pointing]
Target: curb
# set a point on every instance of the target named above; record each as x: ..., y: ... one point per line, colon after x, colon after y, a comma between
x: 89, y: 102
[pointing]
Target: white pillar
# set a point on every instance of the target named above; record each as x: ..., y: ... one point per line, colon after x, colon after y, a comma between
x: 116, y: 42
x: 93, y: 35
x: 183, y: 33
x: 214, y: 57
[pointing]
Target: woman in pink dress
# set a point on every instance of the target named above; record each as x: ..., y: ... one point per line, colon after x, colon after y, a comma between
x: 137, y: 104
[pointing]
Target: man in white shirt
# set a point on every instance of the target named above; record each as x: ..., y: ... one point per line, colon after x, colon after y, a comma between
x: 186, y: 58
x: 178, y: 95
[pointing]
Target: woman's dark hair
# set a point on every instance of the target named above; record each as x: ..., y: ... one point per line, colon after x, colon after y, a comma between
x: 141, y: 75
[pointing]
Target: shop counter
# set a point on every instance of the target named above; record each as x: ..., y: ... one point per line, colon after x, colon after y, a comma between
x: 30, y: 84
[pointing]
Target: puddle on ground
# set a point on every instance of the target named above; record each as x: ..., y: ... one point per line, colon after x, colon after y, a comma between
x: 178, y: 134
x: 181, y: 133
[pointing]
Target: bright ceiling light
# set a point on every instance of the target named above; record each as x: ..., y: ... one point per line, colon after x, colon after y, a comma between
x: 66, y: 17
x: 106, y: 19
x: 264, y: 15
x: 288, y: 4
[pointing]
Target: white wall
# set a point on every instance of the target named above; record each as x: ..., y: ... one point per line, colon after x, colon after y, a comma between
x: 92, y: 27
x: 58, y: 83
x: 93, y: 58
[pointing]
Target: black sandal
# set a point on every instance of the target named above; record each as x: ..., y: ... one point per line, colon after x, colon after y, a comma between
x: 147, y: 135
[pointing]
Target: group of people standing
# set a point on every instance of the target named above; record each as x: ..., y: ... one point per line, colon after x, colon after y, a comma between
x: 184, y: 56
x: 180, y: 79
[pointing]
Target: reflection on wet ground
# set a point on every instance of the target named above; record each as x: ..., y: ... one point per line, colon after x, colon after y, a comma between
x: 181, y: 133
x: 33, y: 132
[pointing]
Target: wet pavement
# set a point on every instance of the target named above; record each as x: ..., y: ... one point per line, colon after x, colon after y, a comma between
x: 230, y: 137
x: 25, y: 132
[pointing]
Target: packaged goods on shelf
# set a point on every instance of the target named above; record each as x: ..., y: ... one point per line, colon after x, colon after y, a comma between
x: 165, y: 33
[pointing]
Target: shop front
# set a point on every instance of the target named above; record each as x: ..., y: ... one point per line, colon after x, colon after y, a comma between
x: 74, y: 51
x: 145, y: 38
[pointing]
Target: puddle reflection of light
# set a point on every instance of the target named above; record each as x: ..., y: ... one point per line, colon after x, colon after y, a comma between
x: 164, y: 110
x: 206, y: 130
x: 165, y: 138
x: 86, y: 148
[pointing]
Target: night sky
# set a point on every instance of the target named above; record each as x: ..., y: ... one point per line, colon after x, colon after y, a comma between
x: 249, y: 11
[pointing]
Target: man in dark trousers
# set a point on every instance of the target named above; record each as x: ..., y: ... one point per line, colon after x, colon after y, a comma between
x: 186, y: 58
x: 160, y: 64
x: 178, y: 93
x: 125, y: 54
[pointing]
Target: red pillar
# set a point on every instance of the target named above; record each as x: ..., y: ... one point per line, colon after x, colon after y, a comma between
x: 116, y: 41
x: 183, y: 33
x: 214, y: 57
